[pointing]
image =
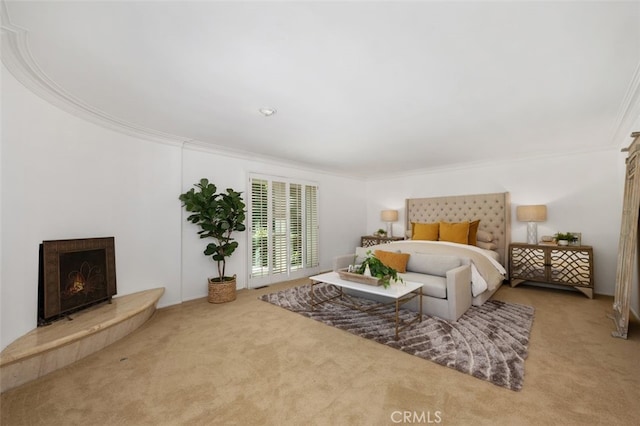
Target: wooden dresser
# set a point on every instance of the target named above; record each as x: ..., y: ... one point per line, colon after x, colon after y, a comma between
x: 372, y: 240
x: 562, y: 265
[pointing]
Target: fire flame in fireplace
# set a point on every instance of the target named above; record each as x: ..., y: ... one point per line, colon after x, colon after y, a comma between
x: 78, y: 284
x: 85, y: 280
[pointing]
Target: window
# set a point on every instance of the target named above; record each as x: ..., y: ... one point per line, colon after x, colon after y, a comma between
x: 283, y: 229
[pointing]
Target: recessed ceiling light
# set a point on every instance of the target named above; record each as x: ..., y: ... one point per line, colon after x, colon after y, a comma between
x: 267, y: 112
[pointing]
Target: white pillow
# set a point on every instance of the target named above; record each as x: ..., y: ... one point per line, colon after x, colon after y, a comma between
x: 484, y: 236
x: 487, y: 246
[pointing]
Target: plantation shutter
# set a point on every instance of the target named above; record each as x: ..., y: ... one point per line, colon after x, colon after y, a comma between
x: 259, y: 219
x: 279, y: 228
x: 312, y: 258
x: 284, y: 229
x: 295, y: 225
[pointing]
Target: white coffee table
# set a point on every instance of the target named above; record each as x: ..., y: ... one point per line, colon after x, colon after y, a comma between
x: 399, y: 292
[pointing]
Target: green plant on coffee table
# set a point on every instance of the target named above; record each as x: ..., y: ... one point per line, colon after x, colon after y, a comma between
x: 379, y: 270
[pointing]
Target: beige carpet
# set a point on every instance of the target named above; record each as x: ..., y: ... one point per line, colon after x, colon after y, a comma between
x: 248, y: 363
x: 488, y: 342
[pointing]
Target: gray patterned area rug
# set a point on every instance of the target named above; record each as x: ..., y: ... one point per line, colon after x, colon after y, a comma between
x: 488, y: 342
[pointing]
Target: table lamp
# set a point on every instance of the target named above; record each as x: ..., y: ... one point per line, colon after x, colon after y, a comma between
x: 532, y: 215
x: 389, y: 216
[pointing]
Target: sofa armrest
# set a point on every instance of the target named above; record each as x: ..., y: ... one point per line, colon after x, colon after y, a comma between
x: 458, y: 291
x: 340, y: 262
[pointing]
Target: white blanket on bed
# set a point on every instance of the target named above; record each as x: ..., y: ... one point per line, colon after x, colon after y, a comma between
x: 486, y: 272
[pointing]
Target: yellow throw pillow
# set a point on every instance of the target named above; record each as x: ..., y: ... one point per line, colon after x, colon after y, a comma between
x: 454, y: 232
x: 473, y: 232
x: 425, y: 231
x: 397, y: 261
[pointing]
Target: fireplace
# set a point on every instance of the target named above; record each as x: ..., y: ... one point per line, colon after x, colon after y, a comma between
x: 74, y: 275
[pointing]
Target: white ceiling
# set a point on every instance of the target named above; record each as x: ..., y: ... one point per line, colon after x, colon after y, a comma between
x: 360, y: 87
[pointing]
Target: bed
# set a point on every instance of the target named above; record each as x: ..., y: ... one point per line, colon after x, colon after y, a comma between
x: 488, y: 254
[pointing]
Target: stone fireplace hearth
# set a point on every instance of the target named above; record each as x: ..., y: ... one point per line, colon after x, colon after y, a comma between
x: 75, y: 278
x: 46, y: 349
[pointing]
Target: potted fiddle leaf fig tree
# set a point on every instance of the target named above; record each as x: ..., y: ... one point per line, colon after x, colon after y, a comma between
x: 219, y: 215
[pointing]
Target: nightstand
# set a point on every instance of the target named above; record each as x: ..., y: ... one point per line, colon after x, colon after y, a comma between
x: 562, y: 265
x: 372, y: 240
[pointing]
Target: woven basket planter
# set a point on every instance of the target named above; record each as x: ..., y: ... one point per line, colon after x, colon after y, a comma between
x: 222, y: 292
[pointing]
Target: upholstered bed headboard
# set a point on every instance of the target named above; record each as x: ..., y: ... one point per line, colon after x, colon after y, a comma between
x: 493, y: 210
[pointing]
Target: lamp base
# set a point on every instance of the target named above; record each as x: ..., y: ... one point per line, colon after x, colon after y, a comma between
x: 389, y: 229
x: 532, y: 233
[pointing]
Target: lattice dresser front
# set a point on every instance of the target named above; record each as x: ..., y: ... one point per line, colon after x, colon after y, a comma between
x: 562, y: 265
x: 372, y: 240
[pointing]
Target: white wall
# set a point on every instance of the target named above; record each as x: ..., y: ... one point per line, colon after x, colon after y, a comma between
x: 63, y: 177
x: 583, y: 193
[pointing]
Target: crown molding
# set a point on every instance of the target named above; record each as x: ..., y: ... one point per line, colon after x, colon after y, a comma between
x: 467, y: 166
x: 629, y: 112
x: 196, y: 145
x: 17, y: 58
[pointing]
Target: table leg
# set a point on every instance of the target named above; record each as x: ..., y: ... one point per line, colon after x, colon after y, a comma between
x: 313, y: 306
x: 397, y: 319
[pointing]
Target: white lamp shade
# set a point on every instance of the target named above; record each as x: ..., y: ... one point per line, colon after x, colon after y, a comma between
x: 536, y: 213
x: 389, y: 215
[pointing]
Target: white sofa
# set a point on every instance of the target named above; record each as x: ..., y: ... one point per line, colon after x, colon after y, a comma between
x: 446, y: 280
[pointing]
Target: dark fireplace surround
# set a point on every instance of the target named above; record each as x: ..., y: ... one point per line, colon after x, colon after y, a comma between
x: 74, y: 275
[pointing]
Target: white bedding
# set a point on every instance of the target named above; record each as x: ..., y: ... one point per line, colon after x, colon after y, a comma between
x: 486, y: 272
